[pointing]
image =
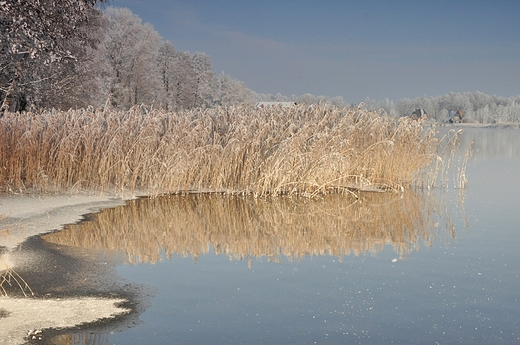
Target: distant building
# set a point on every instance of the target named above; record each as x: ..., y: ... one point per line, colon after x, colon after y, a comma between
x: 275, y: 104
x: 417, y: 114
x: 456, y: 116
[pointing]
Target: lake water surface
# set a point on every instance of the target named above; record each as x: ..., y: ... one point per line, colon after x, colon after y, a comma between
x: 419, y: 268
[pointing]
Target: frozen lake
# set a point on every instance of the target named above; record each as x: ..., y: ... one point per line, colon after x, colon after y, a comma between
x: 425, y: 268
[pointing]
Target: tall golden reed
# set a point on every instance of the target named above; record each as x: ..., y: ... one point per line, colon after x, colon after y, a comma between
x: 299, y: 150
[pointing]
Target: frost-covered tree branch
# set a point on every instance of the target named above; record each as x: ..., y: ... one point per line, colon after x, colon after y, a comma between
x: 49, y: 31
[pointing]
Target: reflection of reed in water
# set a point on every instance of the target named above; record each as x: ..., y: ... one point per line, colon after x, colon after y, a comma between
x: 81, y: 339
x: 242, y: 227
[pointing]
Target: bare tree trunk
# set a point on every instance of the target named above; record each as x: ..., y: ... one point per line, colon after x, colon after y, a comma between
x: 9, y: 99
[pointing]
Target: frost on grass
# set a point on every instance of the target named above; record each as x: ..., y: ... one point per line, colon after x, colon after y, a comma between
x: 306, y: 151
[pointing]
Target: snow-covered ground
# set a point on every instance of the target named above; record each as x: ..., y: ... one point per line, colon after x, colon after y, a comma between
x: 22, y: 216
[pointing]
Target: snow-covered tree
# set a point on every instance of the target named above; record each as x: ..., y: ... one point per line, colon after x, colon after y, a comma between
x: 166, y: 67
x: 185, y: 81
x: 269, y: 97
x: 132, y: 50
x: 231, y: 91
x: 48, y: 31
x: 204, y: 88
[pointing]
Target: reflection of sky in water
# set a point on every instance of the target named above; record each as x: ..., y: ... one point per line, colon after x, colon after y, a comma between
x: 462, y: 290
x: 490, y: 142
x: 456, y: 293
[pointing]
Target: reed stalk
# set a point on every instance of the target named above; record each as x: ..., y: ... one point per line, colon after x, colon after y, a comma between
x: 9, y: 278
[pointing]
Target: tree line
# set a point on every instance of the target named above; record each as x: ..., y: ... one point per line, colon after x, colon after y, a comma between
x: 73, y: 54
x: 477, y: 107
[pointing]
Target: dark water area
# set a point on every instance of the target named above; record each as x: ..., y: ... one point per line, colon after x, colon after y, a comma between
x: 427, y: 267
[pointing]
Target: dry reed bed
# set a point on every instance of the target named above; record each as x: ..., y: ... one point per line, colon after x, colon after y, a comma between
x: 244, y: 227
x: 273, y: 151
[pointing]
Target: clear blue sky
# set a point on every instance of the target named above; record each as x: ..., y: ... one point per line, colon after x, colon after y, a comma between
x: 355, y: 49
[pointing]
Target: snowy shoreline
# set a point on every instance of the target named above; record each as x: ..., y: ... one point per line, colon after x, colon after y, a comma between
x: 24, y: 216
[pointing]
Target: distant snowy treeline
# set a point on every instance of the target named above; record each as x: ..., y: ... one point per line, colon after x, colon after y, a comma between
x: 477, y: 107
